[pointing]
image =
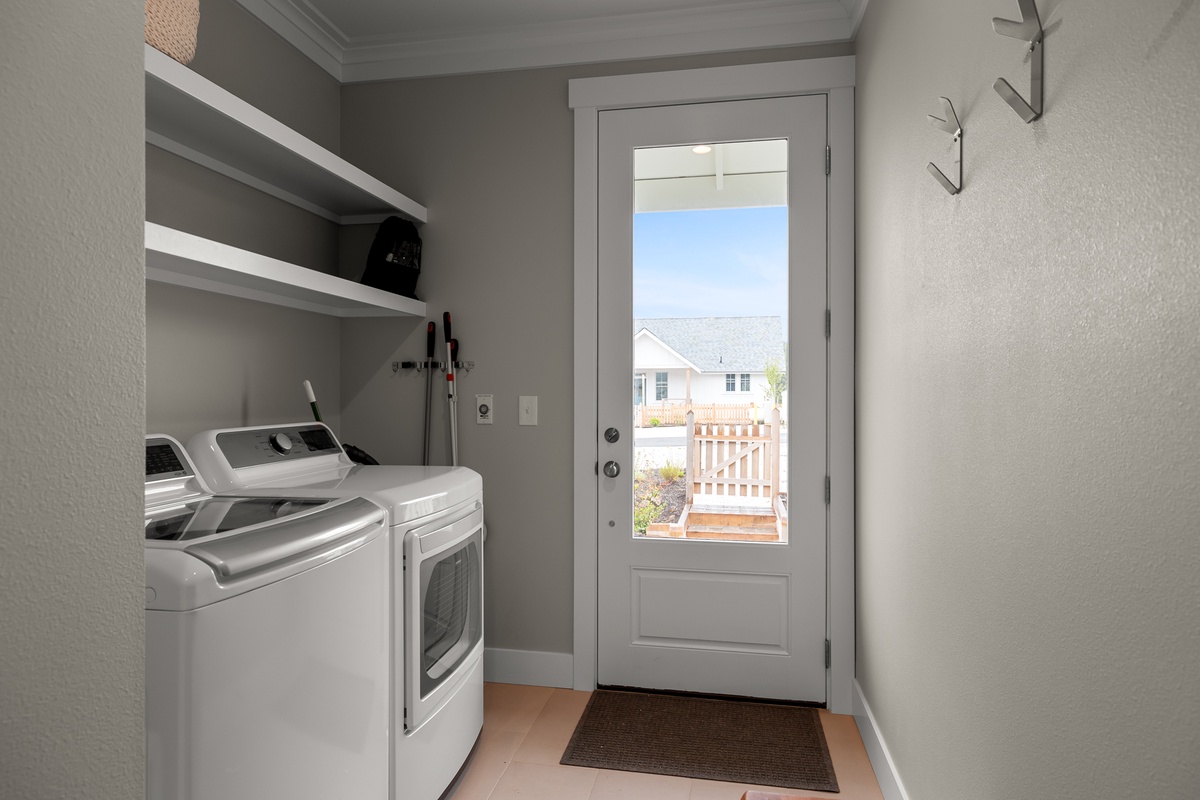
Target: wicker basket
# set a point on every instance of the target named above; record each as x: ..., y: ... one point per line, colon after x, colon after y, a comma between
x: 171, y: 27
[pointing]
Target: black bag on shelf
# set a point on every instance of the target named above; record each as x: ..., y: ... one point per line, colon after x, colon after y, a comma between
x: 394, y: 263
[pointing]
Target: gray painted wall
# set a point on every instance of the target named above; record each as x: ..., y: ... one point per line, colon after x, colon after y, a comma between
x: 71, y: 372
x: 491, y: 157
x: 243, y: 56
x: 216, y: 361
x: 1028, y: 428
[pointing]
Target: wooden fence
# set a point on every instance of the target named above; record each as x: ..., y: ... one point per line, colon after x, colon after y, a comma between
x: 676, y: 413
x: 732, y: 459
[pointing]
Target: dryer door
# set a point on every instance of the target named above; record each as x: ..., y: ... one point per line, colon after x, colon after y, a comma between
x: 443, y: 620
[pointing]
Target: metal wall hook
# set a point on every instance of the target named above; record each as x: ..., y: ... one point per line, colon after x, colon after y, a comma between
x: 1030, y: 30
x: 952, y: 126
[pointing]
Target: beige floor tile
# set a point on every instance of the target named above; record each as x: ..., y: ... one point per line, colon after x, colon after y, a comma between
x: 546, y: 740
x: 613, y: 785
x: 716, y: 790
x: 509, y: 707
x: 488, y: 763
x: 544, y: 782
x: 856, y: 778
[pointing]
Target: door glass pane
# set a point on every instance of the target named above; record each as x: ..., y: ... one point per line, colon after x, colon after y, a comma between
x: 710, y: 263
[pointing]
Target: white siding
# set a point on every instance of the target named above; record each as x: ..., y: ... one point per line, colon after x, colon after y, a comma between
x: 649, y: 354
x: 710, y: 388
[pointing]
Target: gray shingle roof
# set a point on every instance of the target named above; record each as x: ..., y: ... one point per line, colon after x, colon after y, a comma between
x: 720, y: 344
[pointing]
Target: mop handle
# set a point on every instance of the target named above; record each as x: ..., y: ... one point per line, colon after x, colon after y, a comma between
x: 430, y: 344
x: 449, y: 356
x: 312, y: 401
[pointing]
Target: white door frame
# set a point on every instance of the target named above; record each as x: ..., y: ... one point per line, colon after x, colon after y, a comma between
x: 587, y: 97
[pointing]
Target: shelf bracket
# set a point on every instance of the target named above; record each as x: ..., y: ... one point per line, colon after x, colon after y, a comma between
x: 952, y: 126
x: 1030, y: 30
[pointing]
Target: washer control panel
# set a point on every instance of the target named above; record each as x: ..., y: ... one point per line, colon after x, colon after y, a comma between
x: 165, y: 460
x: 250, y: 448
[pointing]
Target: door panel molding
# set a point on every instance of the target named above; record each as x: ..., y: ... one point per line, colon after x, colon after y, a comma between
x: 587, y: 96
x: 710, y: 595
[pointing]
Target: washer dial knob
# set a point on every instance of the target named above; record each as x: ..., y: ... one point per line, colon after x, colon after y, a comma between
x: 280, y: 443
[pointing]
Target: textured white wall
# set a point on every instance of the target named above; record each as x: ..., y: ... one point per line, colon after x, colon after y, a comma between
x: 71, y: 370
x: 1028, y: 423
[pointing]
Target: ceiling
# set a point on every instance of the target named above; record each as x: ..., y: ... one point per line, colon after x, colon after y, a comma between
x: 365, y: 40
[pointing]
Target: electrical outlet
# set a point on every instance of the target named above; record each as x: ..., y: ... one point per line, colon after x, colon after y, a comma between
x: 484, y: 409
x: 528, y: 411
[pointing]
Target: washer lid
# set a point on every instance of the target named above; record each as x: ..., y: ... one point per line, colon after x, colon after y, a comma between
x: 326, y: 532
x: 184, y: 574
x: 213, y: 515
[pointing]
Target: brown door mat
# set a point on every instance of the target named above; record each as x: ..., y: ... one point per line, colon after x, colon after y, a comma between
x: 737, y: 741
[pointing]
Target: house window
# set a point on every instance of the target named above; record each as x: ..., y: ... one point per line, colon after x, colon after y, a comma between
x: 660, y: 386
x: 745, y: 381
x: 639, y: 389
x: 730, y: 382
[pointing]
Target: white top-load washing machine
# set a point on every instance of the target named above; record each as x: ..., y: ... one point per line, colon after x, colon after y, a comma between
x: 267, y: 670
x: 436, y: 557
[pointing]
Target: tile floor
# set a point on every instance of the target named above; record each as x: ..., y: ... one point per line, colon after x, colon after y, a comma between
x: 526, y: 728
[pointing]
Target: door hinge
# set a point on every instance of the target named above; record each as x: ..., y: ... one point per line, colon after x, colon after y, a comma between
x: 828, y: 159
x: 826, y: 490
x: 828, y: 655
x: 828, y: 323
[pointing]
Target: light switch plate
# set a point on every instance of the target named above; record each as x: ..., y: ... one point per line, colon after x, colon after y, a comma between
x: 484, y: 409
x: 528, y: 409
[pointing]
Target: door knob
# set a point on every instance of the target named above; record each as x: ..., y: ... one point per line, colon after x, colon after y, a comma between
x: 612, y: 469
x: 611, y: 435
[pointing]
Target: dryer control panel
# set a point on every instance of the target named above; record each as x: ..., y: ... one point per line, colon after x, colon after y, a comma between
x: 250, y: 448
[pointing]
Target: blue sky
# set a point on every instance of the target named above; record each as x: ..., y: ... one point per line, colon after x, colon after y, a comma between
x: 722, y: 263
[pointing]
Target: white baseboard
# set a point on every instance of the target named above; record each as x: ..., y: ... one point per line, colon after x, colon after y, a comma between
x: 528, y: 667
x: 881, y: 760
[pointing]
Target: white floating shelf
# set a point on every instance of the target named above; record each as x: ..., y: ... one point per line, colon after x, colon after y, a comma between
x: 194, y: 118
x: 186, y: 260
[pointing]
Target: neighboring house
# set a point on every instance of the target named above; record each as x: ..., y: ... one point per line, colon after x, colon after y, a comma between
x: 704, y: 359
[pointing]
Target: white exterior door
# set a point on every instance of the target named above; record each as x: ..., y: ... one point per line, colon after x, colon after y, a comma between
x: 702, y: 615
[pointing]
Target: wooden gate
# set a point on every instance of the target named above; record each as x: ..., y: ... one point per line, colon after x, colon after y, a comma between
x: 727, y: 461
x: 732, y: 460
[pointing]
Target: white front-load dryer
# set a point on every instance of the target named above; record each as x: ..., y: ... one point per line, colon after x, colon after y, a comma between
x: 435, y: 541
x: 267, y: 669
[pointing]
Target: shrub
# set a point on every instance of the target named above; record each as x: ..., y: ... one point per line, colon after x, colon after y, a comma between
x: 646, y: 507
x: 671, y: 471
x: 655, y: 422
x: 643, y: 514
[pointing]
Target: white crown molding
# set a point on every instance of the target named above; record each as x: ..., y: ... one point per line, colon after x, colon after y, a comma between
x: 770, y: 23
x: 322, y: 43
x: 855, y: 10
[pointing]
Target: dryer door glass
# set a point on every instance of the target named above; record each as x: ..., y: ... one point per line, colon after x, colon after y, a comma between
x: 450, y: 612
